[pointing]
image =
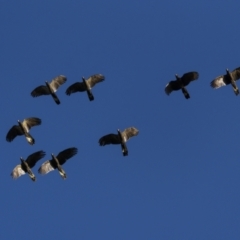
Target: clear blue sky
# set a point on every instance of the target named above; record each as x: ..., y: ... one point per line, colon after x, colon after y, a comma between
x: 181, y: 178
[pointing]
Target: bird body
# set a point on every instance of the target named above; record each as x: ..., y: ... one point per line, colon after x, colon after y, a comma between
x: 57, y: 161
x: 23, y: 129
x: 181, y: 83
x: 119, y: 138
x: 26, y: 166
x: 85, y: 85
x: 50, y: 88
x: 228, y: 78
x: 123, y: 143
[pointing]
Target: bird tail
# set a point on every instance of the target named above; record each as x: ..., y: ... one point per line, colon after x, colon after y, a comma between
x: 236, y: 91
x: 235, y: 88
x: 57, y: 101
x: 30, y: 139
x: 90, y: 95
x: 185, y: 92
x: 31, y: 175
x: 124, y: 149
x: 62, y: 172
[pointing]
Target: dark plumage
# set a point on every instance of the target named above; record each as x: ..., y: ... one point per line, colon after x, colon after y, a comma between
x: 228, y: 78
x: 85, y: 85
x: 181, y: 83
x: 57, y: 161
x: 50, y: 88
x: 120, y: 138
x: 23, y: 129
x: 26, y: 165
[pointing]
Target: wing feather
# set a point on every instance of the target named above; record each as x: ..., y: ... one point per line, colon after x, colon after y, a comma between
x: 76, y: 87
x: 109, y: 139
x: 94, y: 79
x: 236, y: 74
x: 46, y: 167
x: 13, y: 132
x: 218, y: 82
x: 31, y: 122
x: 17, y: 172
x: 57, y: 82
x: 172, y: 86
x: 34, y: 158
x: 188, y: 77
x: 39, y: 91
x: 64, y: 155
x: 129, y: 132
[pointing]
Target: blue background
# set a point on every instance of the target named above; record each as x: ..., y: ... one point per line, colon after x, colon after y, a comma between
x: 181, y: 178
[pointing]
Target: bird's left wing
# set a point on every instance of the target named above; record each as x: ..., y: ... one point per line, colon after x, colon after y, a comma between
x: 94, y: 79
x: 57, y: 82
x: 129, y: 132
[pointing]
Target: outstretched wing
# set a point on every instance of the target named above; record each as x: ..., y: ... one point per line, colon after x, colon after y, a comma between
x: 13, y: 132
x: 188, y: 77
x: 66, y: 154
x: 219, y: 81
x: 94, y: 79
x: 109, y: 139
x: 31, y: 122
x: 172, y: 86
x: 129, y: 132
x: 236, y: 74
x: 46, y: 167
x: 57, y: 82
x: 17, y: 172
x: 34, y: 158
x: 76, y: 87
x: 41, y: 90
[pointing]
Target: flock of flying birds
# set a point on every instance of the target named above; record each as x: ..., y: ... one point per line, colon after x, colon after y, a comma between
x: 121, y: 138
x: 23, y: 128
x: 223, y: 80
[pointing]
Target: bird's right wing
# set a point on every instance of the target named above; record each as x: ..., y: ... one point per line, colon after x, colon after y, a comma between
x: 17, y: 172
x: 34, y: 158
x: 13, y: 132
x: 172, y: 86
x: 109, y: 139
x: 39, y: 91
x: 76, y: 87
x: 46, y: 168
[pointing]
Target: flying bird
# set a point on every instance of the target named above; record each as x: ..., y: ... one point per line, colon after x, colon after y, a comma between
x: 181, y: 83
x: 120, y: 138
x: 23, y: 129
x: 228, y: 78
x: 57, y: 162
x: 26, y: 165
x: 50, y: 88
x: 85, y: 85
